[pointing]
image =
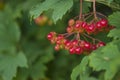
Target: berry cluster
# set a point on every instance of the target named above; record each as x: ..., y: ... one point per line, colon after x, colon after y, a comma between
x: 79, y: 29
x: 90, y: 28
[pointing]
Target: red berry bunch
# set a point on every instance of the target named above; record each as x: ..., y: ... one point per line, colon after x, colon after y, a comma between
x: 89, y: 28
x: 78, y: 29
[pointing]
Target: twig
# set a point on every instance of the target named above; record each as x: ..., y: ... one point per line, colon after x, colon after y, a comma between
x: 80, y: 16
x: 92, y: 37
x: 94, y: 9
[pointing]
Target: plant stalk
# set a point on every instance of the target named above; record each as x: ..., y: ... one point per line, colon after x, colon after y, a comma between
x: 80, y: 16
x: 94, y: 9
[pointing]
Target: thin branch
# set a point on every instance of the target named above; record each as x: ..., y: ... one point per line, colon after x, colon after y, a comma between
x: 92, y: 37
x: 88, y: 17
x: 66, y: 36
x: 80, y: 16
x: 94, y: 9
x: 78, y: 36
x: 101, y: 15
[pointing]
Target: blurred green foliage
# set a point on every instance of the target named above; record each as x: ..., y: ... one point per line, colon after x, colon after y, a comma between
x: 26, y: 54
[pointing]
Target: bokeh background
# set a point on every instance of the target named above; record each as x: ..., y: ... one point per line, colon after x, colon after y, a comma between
x: 25, y: 52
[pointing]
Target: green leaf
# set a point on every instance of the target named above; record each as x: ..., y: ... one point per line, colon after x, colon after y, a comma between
x: 9, y: 39
x: 117, y: 42
x: 114, y: 33
x: 59, y: 7
x: 106, y: 58
x: 80, y: 67
x: 109, y: 1
x: 9, y: 65
x: 117, y: 1
x: 9, y: 32
x: 86, y: 6
x: 37, y: 59
x: 82, y: 70
x: 114, y: 19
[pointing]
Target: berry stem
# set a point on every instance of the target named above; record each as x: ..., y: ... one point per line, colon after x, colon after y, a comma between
x: 64, y: 34
x: 101, y: 15
x: 87, y: 14
x: 92, y: 38
x: 94, y: 9
x: 69, y: 35
x: 94, y: 41
x: 83, y: 15
x: 76, y: 17
x: 78, y: 36
x: 88, y: 17
x: 80, y: 16
x: 84, y: 38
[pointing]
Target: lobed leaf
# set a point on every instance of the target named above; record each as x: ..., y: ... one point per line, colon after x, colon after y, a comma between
x: 9, y: 32
x: 59, y: 7
x: 82, y: 71
x: 114, y: 33
x: 107, y: 58
x: 114, y: 19
x: 9, y: 65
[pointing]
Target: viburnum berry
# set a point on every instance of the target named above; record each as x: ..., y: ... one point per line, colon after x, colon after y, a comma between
x: 69, y: 29
x: 100, y: 44
x: 58, y: 42
x: 87, y: 46
x: 98, y: 25
x: 78, y: 50
x: 67, y: 44
x: 74, y: 42
x: 93, y: 47
x: 90, y: 28
x: 77, y: 26
x: 50, y: 36
x: 104, y: 22
x: 43, y: 20
x: 71, y: 22
x: 78, y: 22
x: 84, y: 25
x: 60, y: 37
x: 57, y: 47
x: 72, y: 50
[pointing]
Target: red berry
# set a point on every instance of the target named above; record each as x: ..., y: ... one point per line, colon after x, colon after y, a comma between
x: 60, y: 37
x: 84, y: 25
x: 57, y: 47
x: 77, y: 26
x: 72, y: 50
x: 49, y: 36
x: 69, y: 29
x: 103, y: 22
x: 58, y: 42
x: 90, y: 28
x: 78, y: 22
x: 100, y: 44
x: 94, y: 47
x: 87, y: 46
x: 78, y: 50
x: 98, y: 25
x: 74, y: 42
x: 71, y: 22
x: 82, y: 42
x: 67, y: 43
x: 37, y: 20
